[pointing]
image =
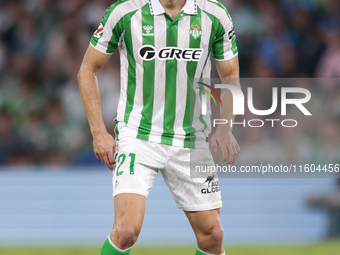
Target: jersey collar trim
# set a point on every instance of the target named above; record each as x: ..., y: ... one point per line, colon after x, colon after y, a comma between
x: 156, y: 7
x: 190, y: 7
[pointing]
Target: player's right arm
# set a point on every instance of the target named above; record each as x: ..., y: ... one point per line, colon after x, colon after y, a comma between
x: 103, y: 43
x: 103, y: 143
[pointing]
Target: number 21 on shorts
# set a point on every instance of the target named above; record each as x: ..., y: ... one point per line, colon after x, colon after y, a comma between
x: 121, y: 160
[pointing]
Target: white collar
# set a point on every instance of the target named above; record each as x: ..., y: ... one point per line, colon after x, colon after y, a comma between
x: 156, y: 7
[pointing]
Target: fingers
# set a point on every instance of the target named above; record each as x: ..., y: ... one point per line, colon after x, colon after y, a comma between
x: 234, y: 152
x: 231, y: 152
x: 111, y: 159
x: 106, y: 158
x: 224, y: 150
x: 214, y: 144
x: 238, y: 149
x: 229, y: 147
x: 97, y: 156
x: 107, y: 161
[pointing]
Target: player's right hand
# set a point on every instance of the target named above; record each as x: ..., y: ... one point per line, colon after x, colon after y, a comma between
x: 104, y: 147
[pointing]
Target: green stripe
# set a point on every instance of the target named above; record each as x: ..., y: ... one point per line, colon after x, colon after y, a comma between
x: 216, y: 37
x: 116, y: 129
x: 131, y: 84
x: 221, y: 6
x: 234, y: 46
x: 144, y: 128
x: 218, y: 45
x: 212, y: 37
x: 211, y: 41
x: 201, y: 92
x: 214, y: 25
x: 189, y: 140
x: 170, y: 84
x: 116, y: 33
x: 94, y: 40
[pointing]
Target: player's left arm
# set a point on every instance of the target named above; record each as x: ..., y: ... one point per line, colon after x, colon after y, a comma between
x: 229, y: 73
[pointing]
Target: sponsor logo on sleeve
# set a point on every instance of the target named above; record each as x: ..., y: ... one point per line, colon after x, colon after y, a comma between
x: 99, y: 31
x: 231, y: 33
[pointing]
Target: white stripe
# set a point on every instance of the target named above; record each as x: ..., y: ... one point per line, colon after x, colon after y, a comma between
x: 124, y: 64
x: 215, y: 10
x: 227, y: 24
x: 136, y: 114
x: 207, y: 119
x: 183, y: 41
x: 159, y: 89
x: 114, y: 18
x: 207, y: 68
x: 206, y: 25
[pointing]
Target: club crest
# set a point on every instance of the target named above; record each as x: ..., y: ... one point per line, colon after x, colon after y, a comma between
x: 196, y: 32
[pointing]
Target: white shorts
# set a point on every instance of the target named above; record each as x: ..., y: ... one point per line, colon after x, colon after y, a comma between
x: 138, y: 162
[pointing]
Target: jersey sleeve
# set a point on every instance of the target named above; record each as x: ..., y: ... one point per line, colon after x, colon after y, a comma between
x: 107, y: 37
x: 224, y: 46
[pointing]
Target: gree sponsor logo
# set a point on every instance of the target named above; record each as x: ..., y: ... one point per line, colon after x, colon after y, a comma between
x: 149, y: 52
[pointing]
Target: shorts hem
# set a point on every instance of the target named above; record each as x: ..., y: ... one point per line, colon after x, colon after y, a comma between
x: 200, y: 207
x: 130, y: 192
x: 176, y: 141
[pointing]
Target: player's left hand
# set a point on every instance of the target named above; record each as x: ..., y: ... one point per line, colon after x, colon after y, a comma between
x: 228, y: 144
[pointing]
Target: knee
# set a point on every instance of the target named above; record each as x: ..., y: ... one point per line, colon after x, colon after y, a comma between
x: 211, y: 237
x: 126, y: 236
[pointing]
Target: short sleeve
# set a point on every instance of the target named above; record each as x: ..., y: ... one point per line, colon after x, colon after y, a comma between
x: 224, y: 46
x: 107, y: 37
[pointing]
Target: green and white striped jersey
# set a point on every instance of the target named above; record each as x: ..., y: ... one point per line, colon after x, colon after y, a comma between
x: 159, y: 58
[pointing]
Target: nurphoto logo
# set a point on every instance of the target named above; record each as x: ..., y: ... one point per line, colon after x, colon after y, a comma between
x: 239, y: 104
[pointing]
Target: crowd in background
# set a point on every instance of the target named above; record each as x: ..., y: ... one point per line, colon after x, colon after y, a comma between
x: 42, y: 42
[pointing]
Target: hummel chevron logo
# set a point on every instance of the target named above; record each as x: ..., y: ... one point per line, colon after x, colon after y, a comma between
x: 148, y: 30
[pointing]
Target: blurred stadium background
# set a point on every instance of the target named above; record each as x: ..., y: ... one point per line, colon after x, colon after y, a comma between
x: 53, y: 191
